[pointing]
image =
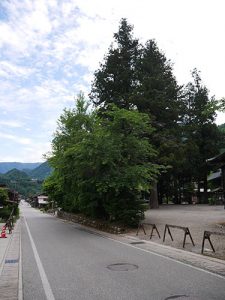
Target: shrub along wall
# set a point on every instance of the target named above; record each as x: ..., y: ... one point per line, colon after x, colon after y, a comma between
x: 98, y: 224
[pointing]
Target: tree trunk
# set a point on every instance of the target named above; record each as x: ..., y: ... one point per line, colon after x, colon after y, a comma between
x: 176, y: 192
x: 154, y: 203
x: 205, y: 189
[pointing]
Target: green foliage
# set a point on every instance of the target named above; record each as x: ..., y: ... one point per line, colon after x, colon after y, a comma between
x: 3, y: 196
x: 101, y: 165
x: 212, y: 201
x: 52, y: 187
x: 139, y: 76
x: 222, y: 127
x: 5, y: 213
x: 7, y: 207
x: 222, y: 137
x: 115, y: 80
x: 133, y: 75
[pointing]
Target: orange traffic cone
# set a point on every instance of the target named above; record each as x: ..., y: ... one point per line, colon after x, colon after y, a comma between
x: 3, y: 235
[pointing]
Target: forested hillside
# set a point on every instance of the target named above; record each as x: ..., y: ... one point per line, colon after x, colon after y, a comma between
x: 41, y: 172
x: 27, y: 182
x: 21, y: 182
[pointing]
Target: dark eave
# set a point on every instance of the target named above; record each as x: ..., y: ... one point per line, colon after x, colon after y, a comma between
x: 217, y: 159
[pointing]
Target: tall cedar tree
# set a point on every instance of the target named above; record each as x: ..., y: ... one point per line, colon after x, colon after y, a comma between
x: 201, y: 135
x: 158, y: 94
x: 116, y: 79
x: 136, y: 76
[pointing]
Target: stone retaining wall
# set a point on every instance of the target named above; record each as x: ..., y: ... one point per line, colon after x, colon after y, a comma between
x: 98, y: 224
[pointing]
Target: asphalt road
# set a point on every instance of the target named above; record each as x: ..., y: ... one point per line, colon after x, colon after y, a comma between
x: 64, y: 261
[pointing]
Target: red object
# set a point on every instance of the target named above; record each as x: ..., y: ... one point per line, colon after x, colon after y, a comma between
x: 3, y: 235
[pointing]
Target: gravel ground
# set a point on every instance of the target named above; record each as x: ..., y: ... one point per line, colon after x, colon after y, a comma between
x: 197, y: 218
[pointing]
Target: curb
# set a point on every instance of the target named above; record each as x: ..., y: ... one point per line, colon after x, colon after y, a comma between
x: 9, y: 279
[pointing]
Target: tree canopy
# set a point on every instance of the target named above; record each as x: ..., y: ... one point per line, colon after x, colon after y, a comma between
x: 144, y: 128
x: 102, y: 164
x: 136, y: 75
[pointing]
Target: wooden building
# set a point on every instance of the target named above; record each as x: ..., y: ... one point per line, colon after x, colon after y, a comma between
x: 218, y: 162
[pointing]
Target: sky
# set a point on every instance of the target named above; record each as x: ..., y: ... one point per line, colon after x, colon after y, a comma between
x: 49, y: 50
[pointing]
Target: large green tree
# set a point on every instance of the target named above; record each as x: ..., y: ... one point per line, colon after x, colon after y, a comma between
x: 102, y: 164
x: 202, y: 138
x: 139, y: 76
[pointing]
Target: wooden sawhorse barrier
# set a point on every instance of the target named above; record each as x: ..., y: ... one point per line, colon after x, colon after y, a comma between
x: 206, y: 236
x: 141, y: 226
x: 185, y: 229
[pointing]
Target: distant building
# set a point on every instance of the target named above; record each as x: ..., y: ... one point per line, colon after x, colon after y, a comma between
x: 42, y: 200
x: 218, y: 177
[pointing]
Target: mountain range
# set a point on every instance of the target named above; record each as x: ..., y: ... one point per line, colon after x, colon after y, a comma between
x: 7, y: 166
x: 27, y: 181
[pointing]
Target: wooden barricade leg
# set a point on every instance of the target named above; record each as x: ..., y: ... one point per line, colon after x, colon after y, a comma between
x: 164, y: 234
x: 138, y: 228
x: 141, y: 226
x: 151, y: 232
x: 167, y: 227
x: 206, y: 236
x: 154, y: 227
x: 170, y: 233
x: 185, y: 234
x: 189, y: 233
x: 203, y: 242
x: 210, y: 243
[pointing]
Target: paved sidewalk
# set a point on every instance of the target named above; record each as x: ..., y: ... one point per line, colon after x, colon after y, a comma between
x: 10, y: 262
x: 3, y: 247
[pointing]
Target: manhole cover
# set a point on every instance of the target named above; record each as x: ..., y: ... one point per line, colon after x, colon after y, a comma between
x: 122, y: 267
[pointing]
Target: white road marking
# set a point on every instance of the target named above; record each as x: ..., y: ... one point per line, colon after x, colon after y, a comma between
x: 44, y: 279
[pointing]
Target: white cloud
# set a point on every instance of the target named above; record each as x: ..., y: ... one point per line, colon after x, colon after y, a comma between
x: 8, y: 70
x: 11, y: 123
x: 15, y: 138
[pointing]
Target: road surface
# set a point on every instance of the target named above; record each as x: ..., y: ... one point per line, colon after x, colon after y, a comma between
x: 63, y: 261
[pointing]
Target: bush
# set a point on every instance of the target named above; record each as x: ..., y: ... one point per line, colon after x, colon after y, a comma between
x: 211, y: 201
x: 5, y: 213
